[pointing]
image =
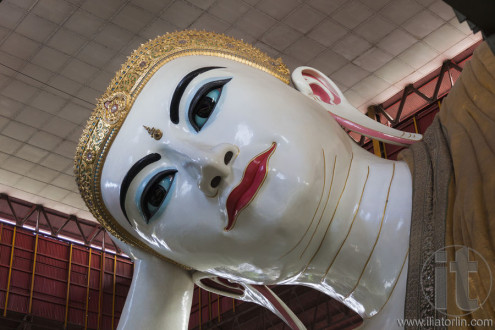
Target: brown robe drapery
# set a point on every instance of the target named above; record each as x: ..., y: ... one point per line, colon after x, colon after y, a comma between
x: 454, y: 192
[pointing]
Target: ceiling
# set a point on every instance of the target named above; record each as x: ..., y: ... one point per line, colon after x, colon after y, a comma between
x: 57, y: 57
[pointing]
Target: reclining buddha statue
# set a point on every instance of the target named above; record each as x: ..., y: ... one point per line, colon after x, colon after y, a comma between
x: 208, y: 168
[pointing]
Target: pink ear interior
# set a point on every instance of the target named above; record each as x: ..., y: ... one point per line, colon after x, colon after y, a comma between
x: 325, y: 91
x: 328, y: 94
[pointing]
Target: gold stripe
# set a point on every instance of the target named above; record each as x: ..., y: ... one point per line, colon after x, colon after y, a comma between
x: 376, y: 148
x: 395, y: 284
x: 334, y: 211
x: 32, y: 276
x: 415, y: 124
x: 324, y: 208
x: 317, y: 207
x: 350, y: 228
x: 378, y: 236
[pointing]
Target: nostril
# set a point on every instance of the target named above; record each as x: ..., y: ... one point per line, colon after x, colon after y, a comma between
x: 228, y: 157
x: 215, y: 182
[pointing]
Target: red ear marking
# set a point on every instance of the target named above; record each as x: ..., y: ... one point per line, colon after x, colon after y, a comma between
x: 320, y: 92
x: 326, y: 93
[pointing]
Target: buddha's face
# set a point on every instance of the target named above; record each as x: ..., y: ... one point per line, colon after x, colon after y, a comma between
x: 234, y: 181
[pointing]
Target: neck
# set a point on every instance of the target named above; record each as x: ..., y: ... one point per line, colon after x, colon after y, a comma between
x: 356, y: 246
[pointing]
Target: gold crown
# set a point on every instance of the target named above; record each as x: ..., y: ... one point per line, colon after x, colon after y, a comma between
x: 112, y: 108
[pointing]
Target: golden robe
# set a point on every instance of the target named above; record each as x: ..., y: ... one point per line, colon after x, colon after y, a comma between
x: 454, y: 196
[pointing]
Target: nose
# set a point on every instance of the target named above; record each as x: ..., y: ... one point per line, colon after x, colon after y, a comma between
x: 216, y: 167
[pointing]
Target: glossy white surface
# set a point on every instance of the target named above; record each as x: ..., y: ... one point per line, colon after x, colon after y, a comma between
x: 252, y: 293
x: 329, y: 214
x: 160, y: 295
x: 247, y: 120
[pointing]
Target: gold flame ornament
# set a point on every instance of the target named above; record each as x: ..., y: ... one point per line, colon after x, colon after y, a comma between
x: 114, y: 105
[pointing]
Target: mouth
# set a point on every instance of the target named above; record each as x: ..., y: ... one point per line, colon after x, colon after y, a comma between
x: 244, y: 193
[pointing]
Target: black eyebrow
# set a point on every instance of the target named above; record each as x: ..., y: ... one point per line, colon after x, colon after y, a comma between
x: 181, y: 87
x: 131, y: 174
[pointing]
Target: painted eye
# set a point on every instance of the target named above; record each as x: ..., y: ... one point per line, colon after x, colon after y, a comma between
x: 155, y: 193
x: 204, y: 103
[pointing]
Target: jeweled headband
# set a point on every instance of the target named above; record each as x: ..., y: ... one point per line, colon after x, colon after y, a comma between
x: 114, y: 105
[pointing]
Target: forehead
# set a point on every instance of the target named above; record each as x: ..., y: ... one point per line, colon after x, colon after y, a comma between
x: 159, y: 89
x: 172, y: 72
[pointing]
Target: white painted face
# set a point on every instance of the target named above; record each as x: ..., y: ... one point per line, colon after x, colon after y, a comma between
x: 176, y: 198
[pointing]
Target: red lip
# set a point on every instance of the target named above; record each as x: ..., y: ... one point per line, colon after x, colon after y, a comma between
x: 243, y: 194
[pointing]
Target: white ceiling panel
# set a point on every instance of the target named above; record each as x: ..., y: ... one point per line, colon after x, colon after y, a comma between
x: 181, y: 14
x: 372, y: 59
x: 57, y: 162
x: 349, y: 75
x: 394, y: 71
x: 351, y: 46
x: 45, y: 140
x: 31, y: 153
x: 17, y: 165
x: 57, y: 57
x: 42, y: 173
x: 352, y: 13
x: 54, y: 193
x: 229, y: 10
x: 327, y: 32
x: 18, y: 131
x: 304, y: 18
x: 278, y: 9
x: 30, y: 185
x: 36, y: 28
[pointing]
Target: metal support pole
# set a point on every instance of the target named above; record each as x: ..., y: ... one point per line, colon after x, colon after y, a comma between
x: 10, y: 273
x: 218, y: 307
x: 68, y: 288
x: 209, y: 306
x: 233, y: 305
x: 113, y: 295
x: 100, y: 294
x: 87, y: 291
x: 376, y: 144
x: 34, y: 272
x: 415, y: 125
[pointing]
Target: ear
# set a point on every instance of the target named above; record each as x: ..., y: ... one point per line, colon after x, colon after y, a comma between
x: 258, y: 294
x: 319, y: 87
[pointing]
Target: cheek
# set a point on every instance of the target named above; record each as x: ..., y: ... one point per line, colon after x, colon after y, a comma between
x: 190, y: 220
